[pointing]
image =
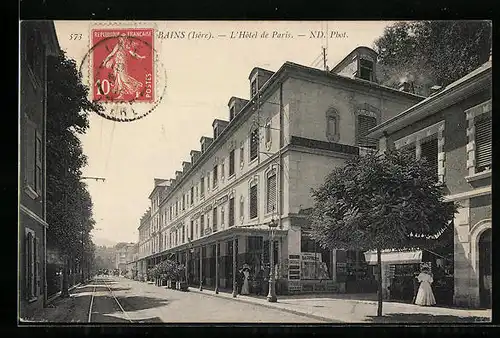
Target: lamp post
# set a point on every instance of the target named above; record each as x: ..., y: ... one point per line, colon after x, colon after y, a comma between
x: 271, y: 296
x: 189, y: 251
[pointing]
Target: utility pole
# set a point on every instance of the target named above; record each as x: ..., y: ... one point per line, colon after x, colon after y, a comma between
x: 325, y: 67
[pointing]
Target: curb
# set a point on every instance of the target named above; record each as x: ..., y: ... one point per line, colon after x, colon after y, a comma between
x: 303, y: 314
x: 58, y: 294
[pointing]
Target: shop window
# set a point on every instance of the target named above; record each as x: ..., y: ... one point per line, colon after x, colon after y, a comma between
x: 255, y: 243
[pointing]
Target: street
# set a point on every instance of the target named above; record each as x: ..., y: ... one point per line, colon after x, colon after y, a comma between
x: 120, y: 300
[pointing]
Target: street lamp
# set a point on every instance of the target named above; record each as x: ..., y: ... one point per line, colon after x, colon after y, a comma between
x: 271, y: 296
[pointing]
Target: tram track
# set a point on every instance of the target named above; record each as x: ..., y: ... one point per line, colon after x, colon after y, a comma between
x: 127, y: 317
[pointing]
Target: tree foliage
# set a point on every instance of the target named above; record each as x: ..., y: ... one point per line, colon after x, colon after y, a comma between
x: 69, y: 204
x: 391, y: 201
x: 388, y: 201
x: 430, y: 53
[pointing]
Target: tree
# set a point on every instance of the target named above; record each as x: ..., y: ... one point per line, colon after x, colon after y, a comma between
x: 430, y: 53
x: 378, y: 202
x: 69, y: 205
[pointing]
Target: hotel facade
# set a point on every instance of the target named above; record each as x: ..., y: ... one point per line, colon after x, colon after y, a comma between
x: 258, y: 167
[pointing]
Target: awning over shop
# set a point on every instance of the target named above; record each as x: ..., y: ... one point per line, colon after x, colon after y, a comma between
x: 395, y: 257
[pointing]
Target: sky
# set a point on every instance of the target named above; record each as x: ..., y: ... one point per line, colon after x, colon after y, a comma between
x: 202, y: 75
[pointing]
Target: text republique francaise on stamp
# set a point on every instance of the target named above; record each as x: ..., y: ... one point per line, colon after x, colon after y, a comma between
x: 125, y: 74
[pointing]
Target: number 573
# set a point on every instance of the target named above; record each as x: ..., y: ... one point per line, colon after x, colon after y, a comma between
x: 75, y: 36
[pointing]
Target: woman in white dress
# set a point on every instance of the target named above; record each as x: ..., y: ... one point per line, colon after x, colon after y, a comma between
x: 245, y: 290
x: 425, y: 296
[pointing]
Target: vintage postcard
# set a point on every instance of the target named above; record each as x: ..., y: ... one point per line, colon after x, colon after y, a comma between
x: 255, y: 172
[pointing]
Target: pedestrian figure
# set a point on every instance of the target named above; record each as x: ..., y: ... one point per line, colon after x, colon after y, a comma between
x: 245, y: 289
x: 239, y: 280
x: 425, y: 296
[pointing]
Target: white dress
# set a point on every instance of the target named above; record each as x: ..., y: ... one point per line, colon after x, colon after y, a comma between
x: 425, y: 296
x: 245, y: 289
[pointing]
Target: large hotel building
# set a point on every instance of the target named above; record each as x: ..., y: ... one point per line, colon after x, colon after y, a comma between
x: 259, y: 166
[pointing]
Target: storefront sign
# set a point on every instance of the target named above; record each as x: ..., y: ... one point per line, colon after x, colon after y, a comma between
x: 222, y: 200
x: 294, y: 286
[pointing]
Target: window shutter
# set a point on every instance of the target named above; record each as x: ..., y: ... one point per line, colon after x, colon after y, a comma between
x: 483, y: 143
x: 231, y: 163
x: 215, y: 219
x: 365, y: 123
x: 429, y: 151
x: 30, y: 155
x: 28, y: 251
x: 271, y: 193
x: 231, y: 212
x: 254, y: 143
x: 253, y: 201
x: 36, y: 268
x: 38, y: 163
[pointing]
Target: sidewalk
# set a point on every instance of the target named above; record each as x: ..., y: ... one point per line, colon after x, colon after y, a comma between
x: 64, y: 310
x: 345, y: 309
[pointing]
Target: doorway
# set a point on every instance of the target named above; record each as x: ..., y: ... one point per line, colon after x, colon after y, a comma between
x: 485, y: 269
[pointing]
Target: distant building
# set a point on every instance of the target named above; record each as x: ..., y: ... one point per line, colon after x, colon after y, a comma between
x: 38, y: 40
x: 125, y: 253
x: 453, y: 130
x: 260, y: 165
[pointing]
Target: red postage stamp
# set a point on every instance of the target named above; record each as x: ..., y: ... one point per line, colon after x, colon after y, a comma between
x: 122, y: 65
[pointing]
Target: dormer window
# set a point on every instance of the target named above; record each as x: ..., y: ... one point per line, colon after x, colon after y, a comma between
x: 231, y: 113
x: 253, y: 88
x: 366, y: 69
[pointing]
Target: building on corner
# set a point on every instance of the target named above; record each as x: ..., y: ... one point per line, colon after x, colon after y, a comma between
x: 38, y: 40
x: 452, y: 129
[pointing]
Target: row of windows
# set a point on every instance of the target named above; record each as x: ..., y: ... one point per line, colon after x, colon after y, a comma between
x: 210, y: 221
x: 197, y: 192
x: 364, y: 124
x: 429, y: 149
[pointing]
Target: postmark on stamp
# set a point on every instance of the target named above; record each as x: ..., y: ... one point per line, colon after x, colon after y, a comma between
x: 124, y: 72
x: 122, y: 65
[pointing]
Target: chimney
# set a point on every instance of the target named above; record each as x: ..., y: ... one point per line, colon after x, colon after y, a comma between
x: 404, y: 86
x: 235, y: 105
x: 435, y: 89
x: 186, y: 166
x: 219, y: 126
x: 195, y: 154
x: 258, y: 77
x: 205, y: 143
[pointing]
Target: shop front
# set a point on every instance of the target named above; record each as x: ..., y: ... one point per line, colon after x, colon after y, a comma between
x: 400, y: 269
